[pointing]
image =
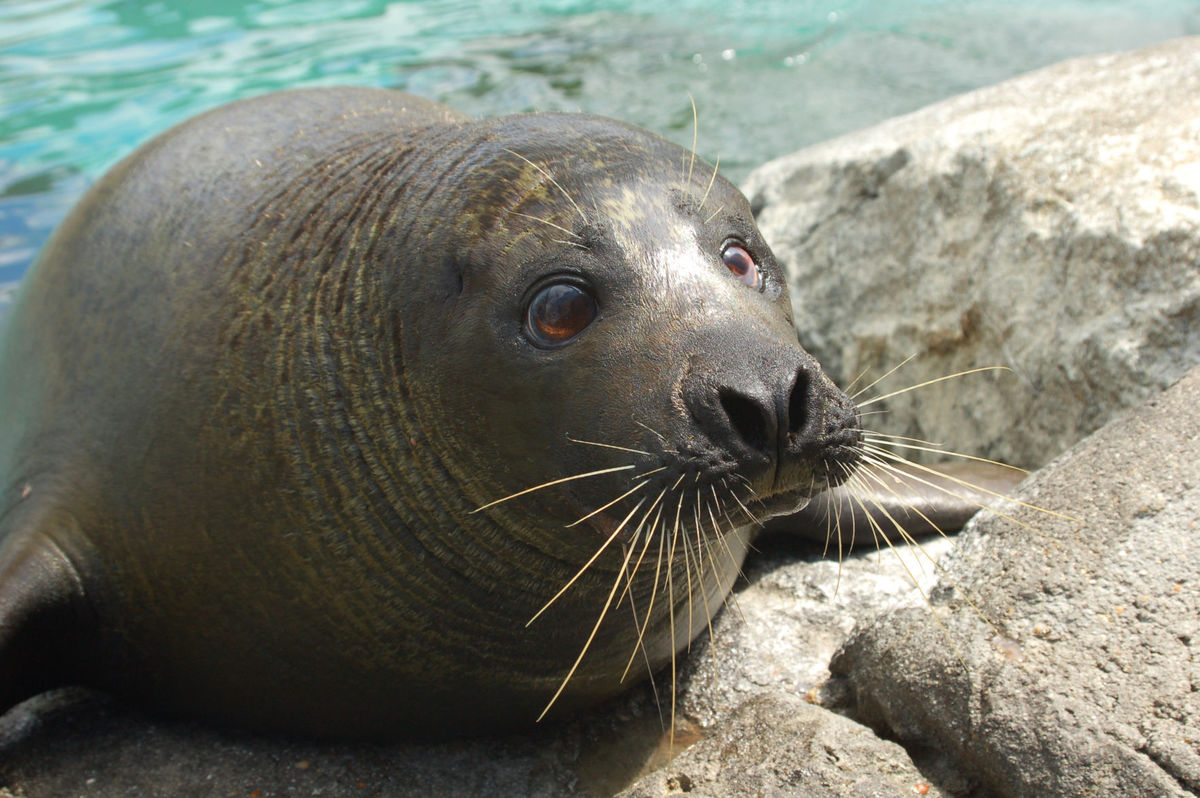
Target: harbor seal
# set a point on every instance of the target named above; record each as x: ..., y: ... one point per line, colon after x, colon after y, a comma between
x: 334, y: 412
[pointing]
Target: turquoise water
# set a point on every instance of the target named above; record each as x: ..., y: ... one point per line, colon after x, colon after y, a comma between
x: 82, y: 83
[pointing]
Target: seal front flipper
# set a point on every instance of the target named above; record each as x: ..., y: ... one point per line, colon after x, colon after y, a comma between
x: 42, y: 610
x: 914, y: 497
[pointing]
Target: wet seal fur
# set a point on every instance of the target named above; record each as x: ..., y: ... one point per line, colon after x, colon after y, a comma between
x: 262, y: 392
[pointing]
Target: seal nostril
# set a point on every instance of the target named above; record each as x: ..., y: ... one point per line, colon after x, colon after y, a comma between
x: 797, y: 409
x: 746, y: 417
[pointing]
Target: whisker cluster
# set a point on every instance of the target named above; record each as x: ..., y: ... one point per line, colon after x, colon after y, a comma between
x: 680, y: 532
x: 883, y: 470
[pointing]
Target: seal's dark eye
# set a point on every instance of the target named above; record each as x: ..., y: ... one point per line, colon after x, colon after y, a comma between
x: 738, y: 261
x: 558, y: 313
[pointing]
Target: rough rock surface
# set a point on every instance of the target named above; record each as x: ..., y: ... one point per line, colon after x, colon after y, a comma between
x: 1086, y: 678
x: 1050, y: 224
x: 777, y: 745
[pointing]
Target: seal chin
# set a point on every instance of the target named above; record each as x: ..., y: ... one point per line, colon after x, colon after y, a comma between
x: 785, y: 501
x: 785, y: 505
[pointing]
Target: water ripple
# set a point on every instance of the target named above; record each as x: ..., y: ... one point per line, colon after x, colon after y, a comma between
x: 81, y: 83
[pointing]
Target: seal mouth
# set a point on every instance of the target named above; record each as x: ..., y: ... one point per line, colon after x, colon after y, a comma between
x: 766, y: 464
x: 708, y: 492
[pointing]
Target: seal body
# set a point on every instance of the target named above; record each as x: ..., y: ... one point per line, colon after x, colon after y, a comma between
x: 262, y: 380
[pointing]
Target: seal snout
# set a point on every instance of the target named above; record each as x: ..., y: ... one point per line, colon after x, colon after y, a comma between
x: 762, y: 421
x: 785, y: 425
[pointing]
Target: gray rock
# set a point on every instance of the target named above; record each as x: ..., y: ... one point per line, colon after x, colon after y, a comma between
x: 777, y: 745
x: 1050, y: 224
x: 1084, y: 679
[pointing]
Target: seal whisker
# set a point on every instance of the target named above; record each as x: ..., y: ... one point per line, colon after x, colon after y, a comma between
x: 640, y: 643
x: 637, y: 646
x: 856, y: 488
x: 833, y: 523
x: 956, y: 375
x: 716, y: 499
x: 837, y: 523
x: 695, y: 138
x: 610, y: 446
x: 892, y: 436
x: 893, y: 457
x: 737, y: 570
x: 872, y: 472
x: 655, y: 433
x: 687, y: 570
x: 588, y: 564
x: 671, y: 615
x: 714, y: 215
x: 733, y: 525
x: 712, y: 179
x: 592, y: 636
x: 641, y: 524
x: 712, y: 640
x: 645, y: 531
x: 854, y: 381
x: 881, y: 377
x: 571, y: 233
x: 649, y: 538
x: 913, y: 545
x: 553, y: 182
x: 625, y: 571
x: 604, y: 507
x: 576, y: 244
x: 877, y: 532
x: 873, y: 459
x: 869, y: 438
x: 704, y: 547
x: 753, y: 494
x: 876, y: 526
x: 744, y: 480
x: 874, y: 433
x: 554, y: 482
x: 755, y: 519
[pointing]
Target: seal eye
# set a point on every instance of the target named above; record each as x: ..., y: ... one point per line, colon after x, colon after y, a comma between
x: 558, y: 313
x: 739, y: 261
